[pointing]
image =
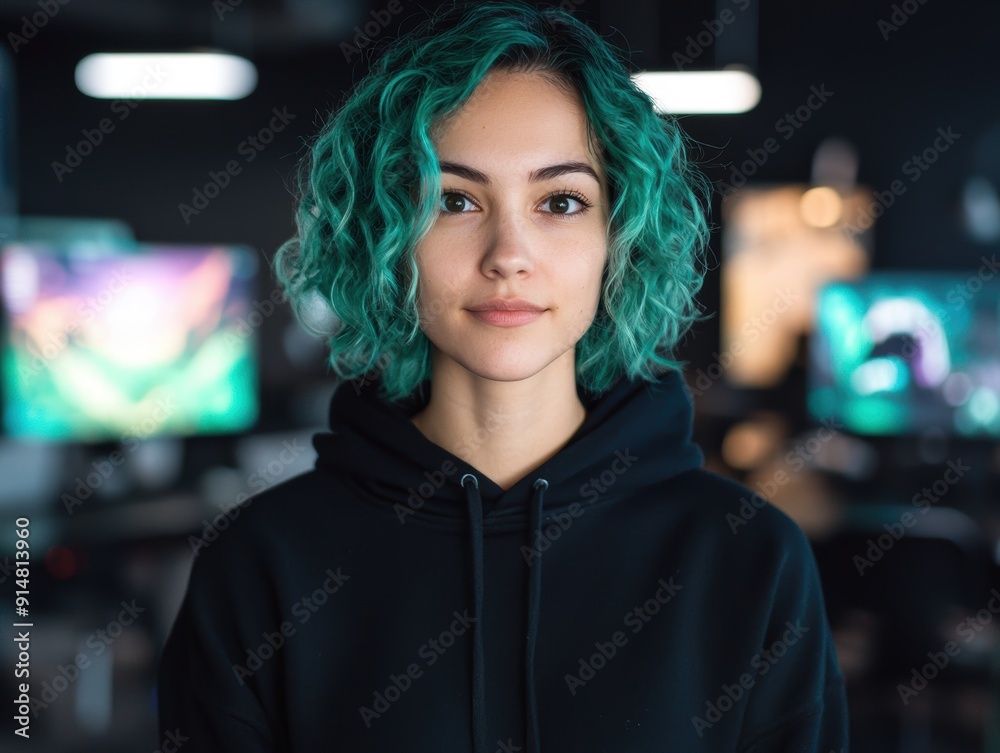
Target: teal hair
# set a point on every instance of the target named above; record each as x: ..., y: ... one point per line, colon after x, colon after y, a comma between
x: 370, y: 190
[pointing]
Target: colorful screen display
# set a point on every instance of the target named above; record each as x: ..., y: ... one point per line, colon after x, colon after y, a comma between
x: 103, y: 342
x: 906, y: 352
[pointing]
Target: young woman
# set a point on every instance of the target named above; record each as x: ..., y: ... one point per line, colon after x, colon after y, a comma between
x: 508, y: 541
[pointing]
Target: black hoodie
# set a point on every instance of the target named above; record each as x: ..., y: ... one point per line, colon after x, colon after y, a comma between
x: 617, y: 598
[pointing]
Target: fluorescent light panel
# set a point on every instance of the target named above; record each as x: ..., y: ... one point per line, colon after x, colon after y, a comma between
x: 165, y: 75
x: 700, y: 92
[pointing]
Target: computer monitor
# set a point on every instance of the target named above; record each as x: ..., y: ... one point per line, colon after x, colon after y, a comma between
x: 900, y: 353
x: 104, y: 342
x: 60, y: 231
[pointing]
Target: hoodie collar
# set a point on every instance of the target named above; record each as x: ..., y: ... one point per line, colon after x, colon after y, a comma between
x: 635, y: 434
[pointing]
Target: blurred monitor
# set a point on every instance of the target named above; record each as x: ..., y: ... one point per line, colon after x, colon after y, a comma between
x: 905, y: 352
x: 66, y: 230
x: 108, y: 343
x: 779, y: 244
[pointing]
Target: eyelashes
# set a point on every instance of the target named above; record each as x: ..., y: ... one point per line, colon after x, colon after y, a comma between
x: 575, y: 195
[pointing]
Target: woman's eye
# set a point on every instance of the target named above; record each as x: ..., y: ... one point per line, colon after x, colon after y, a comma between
x: 561, y: 203
x: 453, y: 202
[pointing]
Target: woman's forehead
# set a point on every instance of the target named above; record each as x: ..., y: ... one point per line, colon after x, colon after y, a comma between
x: 516, y: 124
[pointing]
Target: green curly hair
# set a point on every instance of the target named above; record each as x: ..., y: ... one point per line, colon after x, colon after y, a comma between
x: 370, y: 189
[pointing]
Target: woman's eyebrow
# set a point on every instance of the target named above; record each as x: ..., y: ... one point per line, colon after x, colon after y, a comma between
x: 535, y: 176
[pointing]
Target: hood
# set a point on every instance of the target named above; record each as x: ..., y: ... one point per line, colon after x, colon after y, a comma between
x: 375, y: 445
x: 644, y: 427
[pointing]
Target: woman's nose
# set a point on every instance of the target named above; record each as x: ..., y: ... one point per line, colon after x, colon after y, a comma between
x: 510, y: 242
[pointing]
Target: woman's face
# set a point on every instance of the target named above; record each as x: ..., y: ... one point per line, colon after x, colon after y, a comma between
x: 503, y: 232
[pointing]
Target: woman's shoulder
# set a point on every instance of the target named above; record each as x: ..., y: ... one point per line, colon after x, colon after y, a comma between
x: 741, y: 517
x: 255, y: 524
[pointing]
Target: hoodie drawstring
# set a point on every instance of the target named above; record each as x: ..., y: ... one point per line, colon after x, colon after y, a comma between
x: 478, y: 670
x: 534, y: 605
x: 534, y: 528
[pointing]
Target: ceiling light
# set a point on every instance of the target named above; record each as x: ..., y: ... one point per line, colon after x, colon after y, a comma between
x: 700, y: 92
x: 167, y: 75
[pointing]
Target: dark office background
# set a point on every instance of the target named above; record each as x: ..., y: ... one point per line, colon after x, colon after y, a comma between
x: 891, y: 92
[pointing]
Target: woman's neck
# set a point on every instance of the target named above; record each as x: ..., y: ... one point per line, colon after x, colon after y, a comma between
x: 503, y: 429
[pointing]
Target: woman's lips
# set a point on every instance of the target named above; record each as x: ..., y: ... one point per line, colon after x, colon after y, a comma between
x: 506, y: 318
